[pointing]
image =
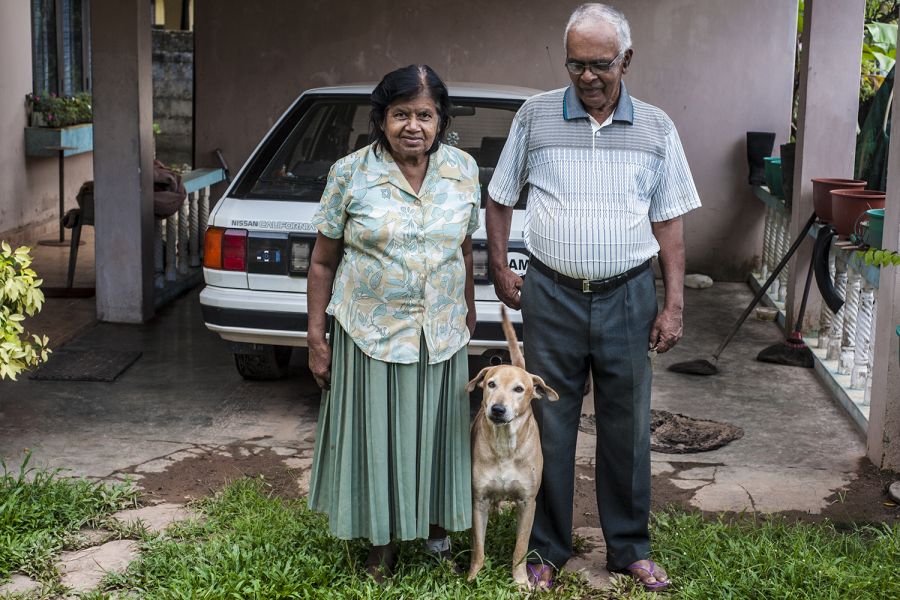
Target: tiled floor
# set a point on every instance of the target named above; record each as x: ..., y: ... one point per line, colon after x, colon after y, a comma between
x: 62, y: 318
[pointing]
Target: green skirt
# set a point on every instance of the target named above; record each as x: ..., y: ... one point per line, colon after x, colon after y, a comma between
x: 392, y: 446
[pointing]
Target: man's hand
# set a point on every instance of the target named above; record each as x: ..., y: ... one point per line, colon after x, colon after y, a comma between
x: 669, y: 325
x: 667, y: 330
x: 507, y: 285
x: 320, y: 364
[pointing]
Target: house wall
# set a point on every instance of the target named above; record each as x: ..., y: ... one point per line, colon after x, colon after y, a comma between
x: 28, y: 185
x: 719, y: 69
x: 173, y: 95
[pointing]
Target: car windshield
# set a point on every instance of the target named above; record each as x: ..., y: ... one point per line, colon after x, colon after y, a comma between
x: 330, y: 128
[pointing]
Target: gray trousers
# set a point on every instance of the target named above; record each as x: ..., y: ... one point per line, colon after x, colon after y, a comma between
x: 566, y: 334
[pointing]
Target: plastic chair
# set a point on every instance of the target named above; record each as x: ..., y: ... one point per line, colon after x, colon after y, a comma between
x: 74, y: 220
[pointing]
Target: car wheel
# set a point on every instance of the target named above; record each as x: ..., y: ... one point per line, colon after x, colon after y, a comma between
x: 271, y: 362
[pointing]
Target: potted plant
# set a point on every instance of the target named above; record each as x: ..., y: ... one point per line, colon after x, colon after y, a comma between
x: 58, y: 121
x: 20, y: 295
x: 50, y: 110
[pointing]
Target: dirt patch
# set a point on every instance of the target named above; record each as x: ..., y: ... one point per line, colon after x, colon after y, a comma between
x: 864, y: 501
x: 663, y: 494
x: 203, y: 475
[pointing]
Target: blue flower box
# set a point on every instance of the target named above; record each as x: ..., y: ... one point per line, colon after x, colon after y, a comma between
x: 39, y: 140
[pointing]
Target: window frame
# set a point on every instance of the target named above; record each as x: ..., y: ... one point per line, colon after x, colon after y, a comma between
x: 61, y: 81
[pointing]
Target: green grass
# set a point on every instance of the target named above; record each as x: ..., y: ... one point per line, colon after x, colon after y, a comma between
x: 769, y: 558
x: 40, y: 511
x: 252, y: 546
x: 249, y: 544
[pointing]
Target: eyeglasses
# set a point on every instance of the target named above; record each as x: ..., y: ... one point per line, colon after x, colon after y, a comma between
x: 576, y: 67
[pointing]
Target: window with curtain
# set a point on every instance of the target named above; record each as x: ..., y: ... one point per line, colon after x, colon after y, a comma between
x: 61, y: 46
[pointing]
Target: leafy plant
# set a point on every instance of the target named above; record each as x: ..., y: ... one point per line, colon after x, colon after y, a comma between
x: 61, y: 111
x: 879, y: 52
x: 20, y: 295
x: 880, y: 258
x: 878, y: 56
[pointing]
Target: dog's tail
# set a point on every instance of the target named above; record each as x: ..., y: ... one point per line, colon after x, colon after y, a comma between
x: 515, y: 353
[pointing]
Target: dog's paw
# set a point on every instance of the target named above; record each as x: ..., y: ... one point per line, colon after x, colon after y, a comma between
x: 473, y: 572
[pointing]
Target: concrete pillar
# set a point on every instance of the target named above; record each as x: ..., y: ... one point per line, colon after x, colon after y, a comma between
x: 826, y: 122
x: 123, y: 159
x: 884, y: 411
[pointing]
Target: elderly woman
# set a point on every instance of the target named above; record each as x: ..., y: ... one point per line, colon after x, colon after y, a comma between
x: 392, y: 264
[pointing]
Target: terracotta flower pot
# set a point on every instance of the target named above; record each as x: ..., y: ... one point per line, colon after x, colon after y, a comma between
x: 848, y: 206
x: 822, y: 194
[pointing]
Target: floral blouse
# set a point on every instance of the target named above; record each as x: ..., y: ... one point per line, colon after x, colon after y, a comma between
x: 402, y: 272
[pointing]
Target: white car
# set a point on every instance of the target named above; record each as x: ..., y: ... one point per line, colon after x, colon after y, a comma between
x: 259, y: 239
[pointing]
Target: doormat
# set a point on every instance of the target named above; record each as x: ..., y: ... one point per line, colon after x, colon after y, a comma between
x: 85, y: 365
x: 673, y: 433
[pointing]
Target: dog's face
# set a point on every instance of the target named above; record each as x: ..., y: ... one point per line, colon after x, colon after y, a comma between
x: 508, y: 392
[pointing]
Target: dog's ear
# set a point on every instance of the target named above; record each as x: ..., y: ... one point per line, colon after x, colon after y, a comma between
x: 542, y: 390
x: 479, y: 379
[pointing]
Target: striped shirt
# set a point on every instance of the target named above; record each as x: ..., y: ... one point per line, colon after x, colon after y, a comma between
x: 594, y: 189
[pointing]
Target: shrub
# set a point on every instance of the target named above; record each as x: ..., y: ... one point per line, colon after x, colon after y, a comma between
x: 19, y: 296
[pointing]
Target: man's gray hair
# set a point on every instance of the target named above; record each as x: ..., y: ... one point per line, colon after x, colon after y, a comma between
x: 593, y: 12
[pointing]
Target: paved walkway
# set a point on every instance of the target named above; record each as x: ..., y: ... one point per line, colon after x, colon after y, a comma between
x: 184, y: 393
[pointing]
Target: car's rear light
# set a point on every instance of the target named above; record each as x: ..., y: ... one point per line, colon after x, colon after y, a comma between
x: 212, y: 248
x: 480, y: 269
x: 301, y: 254
x: 234, y: 250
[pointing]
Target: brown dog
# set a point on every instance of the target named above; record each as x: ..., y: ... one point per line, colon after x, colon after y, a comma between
x: 506, y: 450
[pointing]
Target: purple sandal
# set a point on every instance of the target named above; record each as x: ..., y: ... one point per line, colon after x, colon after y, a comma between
x: 536, y: 575
x: 651, y: 571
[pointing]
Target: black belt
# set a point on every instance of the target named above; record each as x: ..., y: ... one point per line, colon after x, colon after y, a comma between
x: 588, y: 285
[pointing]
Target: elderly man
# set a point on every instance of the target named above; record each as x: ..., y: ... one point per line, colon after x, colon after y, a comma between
x: 608, y: 185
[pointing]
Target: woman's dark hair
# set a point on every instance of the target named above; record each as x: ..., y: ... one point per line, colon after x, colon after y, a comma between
x: 405, y: 84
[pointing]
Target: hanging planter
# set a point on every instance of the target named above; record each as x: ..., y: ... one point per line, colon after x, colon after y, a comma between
x: 40, y: 141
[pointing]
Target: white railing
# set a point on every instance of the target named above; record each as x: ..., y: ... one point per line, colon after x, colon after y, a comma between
x: 843, y: 343
x: 776, y: 241
x: 179, y: 261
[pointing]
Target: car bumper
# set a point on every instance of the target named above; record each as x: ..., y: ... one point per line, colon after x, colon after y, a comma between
x: 278, y: 318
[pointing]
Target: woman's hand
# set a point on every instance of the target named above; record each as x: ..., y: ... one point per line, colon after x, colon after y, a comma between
x: 320, y: 363
x: 471, y: 319
x: 324, y: 262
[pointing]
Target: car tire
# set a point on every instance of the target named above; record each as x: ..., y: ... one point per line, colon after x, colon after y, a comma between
x: 271, y: 363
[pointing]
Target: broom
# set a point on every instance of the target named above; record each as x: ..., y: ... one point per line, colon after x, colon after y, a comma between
x: 706, y: 367
x: 793, y: 351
